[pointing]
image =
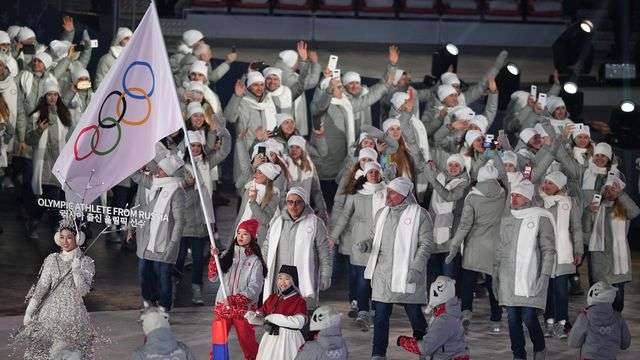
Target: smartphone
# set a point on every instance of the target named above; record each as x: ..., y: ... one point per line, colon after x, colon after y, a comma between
x: 333, y: 62
x: 597, y: 198
x: 488, y: 141
x: 336, y: 74
x: 79, y: 47
x: 84, y: 85
x: 94, y: 44
x: 534, y: 91
x: 29, y: 49
x: 262, y: 150
x: 526, y: 173
x: 542, y: 100
x: 578, y: 127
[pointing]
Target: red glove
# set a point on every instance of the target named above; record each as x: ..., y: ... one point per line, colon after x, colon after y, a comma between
x: 238, y: 300
x: 410, y: 344
x: 223, y: 311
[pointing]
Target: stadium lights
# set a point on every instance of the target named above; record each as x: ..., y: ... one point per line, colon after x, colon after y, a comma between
x: 443, y: 58
x: 574, y: 48
x: 508, y: 81
x: 570, y: 87
x: 627, y: 106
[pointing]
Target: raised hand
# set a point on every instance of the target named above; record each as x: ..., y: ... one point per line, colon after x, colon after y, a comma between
x: 302, y: 50
x: 394, y: 54
x: 67, y: 23
x: 313, y: 56
x: 239, y: 89
x: 491, y: 84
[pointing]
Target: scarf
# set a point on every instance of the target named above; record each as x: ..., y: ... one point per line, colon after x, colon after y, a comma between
x: 205, y: 176
x: 514, y: 177
x: 591, y: 175
x: 443, y: 210
x: 167, y: 187
x: 350, y: 125
x: 261, y: 190
x: 297, y: 174
x: 579, y: 154
x: 39, y: 152
x: 10, y: 95
x: 378, y: 196
x: 283, y: 94
x: 115, y: 50
x: 304, y: 258
x: 78, y: 104
x: 526, y: 272
x: 619, y: 233
x: 422, y: 139
x: 564, y: 246
x: 405, y: 245
x: 26, y: 83
x: 267, y: 108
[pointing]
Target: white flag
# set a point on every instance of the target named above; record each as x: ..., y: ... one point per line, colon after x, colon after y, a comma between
x: 135, y: 106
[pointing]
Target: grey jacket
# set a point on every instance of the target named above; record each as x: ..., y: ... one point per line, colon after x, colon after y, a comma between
x: 382, y: 275
x: 263, y: 214
x: 194, y: 224
x: 244, y: 276
x: 575, y: 231
x: 599, y: 333
x: 32, y: 139
x: 456, y: 195
x: 161, y: 344
x: 445, y: 339
x: 290, y: 77
x: 170, y: 231
x: 213, y: 75
x: 286, y: 249
x: 602, y: 261
x: 505, y: 267
x: 329, y: 346
x: 354, y: 226
x: 479, y: 227
x: 335, y: 126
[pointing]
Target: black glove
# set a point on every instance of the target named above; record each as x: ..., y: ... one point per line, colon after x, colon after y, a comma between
x: 271, y: 328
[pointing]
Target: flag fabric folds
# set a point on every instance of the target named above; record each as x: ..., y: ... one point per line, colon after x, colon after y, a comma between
x: 135, y: 106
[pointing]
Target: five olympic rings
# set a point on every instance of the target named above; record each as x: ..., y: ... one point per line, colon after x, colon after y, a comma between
x: 120, y: 111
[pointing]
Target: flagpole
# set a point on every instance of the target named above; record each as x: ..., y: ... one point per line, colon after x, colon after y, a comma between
x: 196, y: 174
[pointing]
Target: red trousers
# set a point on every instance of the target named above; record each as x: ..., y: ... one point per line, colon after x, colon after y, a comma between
x: 246, y: 337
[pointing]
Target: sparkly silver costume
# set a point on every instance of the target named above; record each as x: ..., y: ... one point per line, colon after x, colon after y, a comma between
x: 62, y: 323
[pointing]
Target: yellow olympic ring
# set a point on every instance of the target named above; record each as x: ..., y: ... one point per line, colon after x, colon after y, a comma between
x: 149, y: 107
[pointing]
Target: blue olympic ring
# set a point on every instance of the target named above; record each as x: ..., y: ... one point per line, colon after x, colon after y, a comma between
x: 124, y: 80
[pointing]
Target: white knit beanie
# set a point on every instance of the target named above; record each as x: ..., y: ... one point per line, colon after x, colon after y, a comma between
x: 471, y: 136
x: 272, y: 71
x: 527, y: 134
x: 401, y: 185
x: 297, y: 140
x: 194, y: 107
x: 368, y: 153
x: 524, y: 188
x: 445, y: 90
x: 199, y: 67
x: 351, y: 76
x: 558, y: 178
x: 45, y: 58
x: 487, y: 172
x: 449, y: 78
x: 191, y: 37
x: 197, y: 137
x: 254, y: 77
x: 269, y: 170
x: 289, y: 57
x: 25, y: 33
x: 603, y: 149
x: 123, y: 33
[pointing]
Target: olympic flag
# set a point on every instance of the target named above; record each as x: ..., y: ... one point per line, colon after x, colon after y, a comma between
x: 135, y: 106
